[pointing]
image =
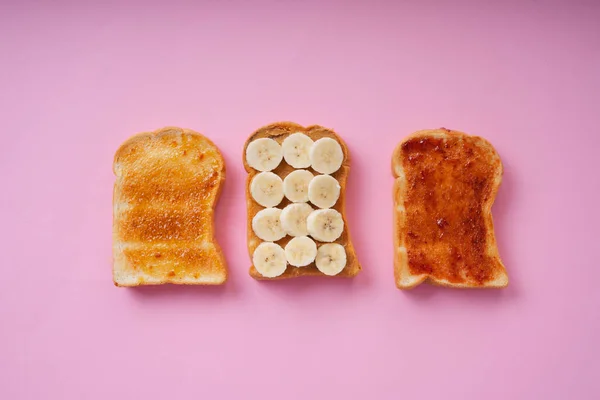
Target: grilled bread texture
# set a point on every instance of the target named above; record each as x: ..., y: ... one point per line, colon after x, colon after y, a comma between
x: 166, y: 189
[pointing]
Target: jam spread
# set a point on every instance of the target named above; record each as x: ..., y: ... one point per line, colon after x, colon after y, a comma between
x: 450, y: 184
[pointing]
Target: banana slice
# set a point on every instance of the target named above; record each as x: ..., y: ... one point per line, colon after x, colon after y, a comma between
x: 267, y: 226
x: 293, y: 219
x: 267, y: 189
x: 331, y: 259
x: 300, y: 251
x: 295, y: 185
x: 264, y: 154
x: 326, y: 155
x: 296, y: 149
x: 325, y: 225
x: 323, y: 191
x: 269, y: 260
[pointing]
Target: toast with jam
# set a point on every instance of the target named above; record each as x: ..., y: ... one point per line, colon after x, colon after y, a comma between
x: 445, y: 184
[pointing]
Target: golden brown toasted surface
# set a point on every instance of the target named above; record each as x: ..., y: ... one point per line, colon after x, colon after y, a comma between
x: 167, y: 185
x: 278, y: 132
x: 449, y: 182
x: 172, y: 261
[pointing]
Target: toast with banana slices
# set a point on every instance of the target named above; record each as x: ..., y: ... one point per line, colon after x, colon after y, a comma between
x: 167, y: 185
x: 295, y: 196
x: 446, y: 183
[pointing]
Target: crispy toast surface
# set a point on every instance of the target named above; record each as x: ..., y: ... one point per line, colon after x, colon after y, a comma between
x: 446, y: 183
x: 278, y: 132
x: 167, y: 185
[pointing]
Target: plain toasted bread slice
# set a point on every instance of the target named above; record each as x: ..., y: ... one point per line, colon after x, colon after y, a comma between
x: 167, y: 185
x: 446, y: 183
x: 278, y: 132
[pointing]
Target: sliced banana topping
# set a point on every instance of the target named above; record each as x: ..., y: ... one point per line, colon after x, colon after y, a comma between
x: 295, y: 185
x: 296, y: 149
x: 323, y: 191
x: 326, y: 155
x: 331, y: 259
x: 293, y: 219
x: 300, y: 251
x: 325, y: 225
x: 267, y: 189
x: 267, y: 226
x: 264, y: 154
x: 269, y: 260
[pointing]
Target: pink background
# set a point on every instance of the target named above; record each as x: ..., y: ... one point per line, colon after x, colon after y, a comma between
x: 77, y: 80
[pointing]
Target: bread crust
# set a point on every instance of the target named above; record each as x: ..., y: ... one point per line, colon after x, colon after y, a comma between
x: 491, y: 268
x: 279, y: 131
x: 167, y: 185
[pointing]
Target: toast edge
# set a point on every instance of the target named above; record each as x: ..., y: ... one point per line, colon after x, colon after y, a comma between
x: 351, y: 270
x: 403, y: 278
x: 146, y: 280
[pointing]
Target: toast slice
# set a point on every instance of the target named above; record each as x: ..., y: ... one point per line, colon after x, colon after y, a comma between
x: 167, y: 185
x: 279, y: 132
x: 446, y: 183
